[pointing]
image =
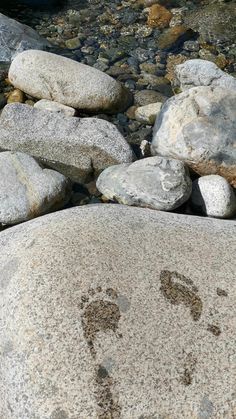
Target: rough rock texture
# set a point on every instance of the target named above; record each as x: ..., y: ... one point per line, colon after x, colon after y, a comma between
x: 78, y: 148
x: 15, y: 38
x: 116, y: 312
x: 77, y: 85
x: 194, y: 73
x: 27, y: 190
x: 198, y: 126
x: 213, y: 196
x: 49, y: 105
x: 147, y: 114
x: 215, y: 22
x: 154, y: 182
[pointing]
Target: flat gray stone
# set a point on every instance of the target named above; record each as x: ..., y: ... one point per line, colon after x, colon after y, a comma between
x: 155, y: 182
x: 77, y: 85
x: 49, y: 105
x: 212, y: 195
x: 27, y: 190
x: 16, y: 37
x: 198, y: 127
x: 78, y: 148
x: 193, y: 73
x: 117, y: 312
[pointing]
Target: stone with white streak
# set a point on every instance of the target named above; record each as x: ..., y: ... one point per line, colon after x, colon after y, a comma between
x: 154, y: 182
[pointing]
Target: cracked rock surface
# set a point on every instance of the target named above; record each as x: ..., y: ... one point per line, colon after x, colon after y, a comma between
x: 198, y: 127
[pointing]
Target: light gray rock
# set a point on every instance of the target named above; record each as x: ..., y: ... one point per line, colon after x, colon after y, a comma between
x: 76, y: 85
x: 117, y: 312
x: 78, y: 148
x: 154, y: 182
x: 193, y: 73
x: 27, y: 190
x: 16, y: 37
x: 147, y: 114
x: 213, y: 196
x: 198, y: 127
x: 49, y: 105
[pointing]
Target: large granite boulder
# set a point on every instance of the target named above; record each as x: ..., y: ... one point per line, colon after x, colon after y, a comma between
x: 155, y: 182
x: 77, y: 85
x: 117, y: 312
x: 193, y: 73
x: 78, y: 148
x: 27, y: 190
x: 16, y: 37
x: 198, y: 127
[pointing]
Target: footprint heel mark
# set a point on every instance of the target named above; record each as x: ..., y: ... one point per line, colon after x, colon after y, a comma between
x: 108, y: 407
x: 101, y: 313
x: 178, y: 289
x: 189, y: 368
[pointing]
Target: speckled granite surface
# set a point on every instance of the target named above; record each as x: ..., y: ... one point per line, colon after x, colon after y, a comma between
x: 117, y: 312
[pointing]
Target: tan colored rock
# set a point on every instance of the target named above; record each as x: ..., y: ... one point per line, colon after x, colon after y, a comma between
x: 159, y: 16
x: 172, y: 62
x: 147, y: 114
x: 16, y: 96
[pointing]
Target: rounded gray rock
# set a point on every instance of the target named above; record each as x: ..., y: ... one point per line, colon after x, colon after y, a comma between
x: 213, y: 196
x: 193, y: 73
x: 77, y: 85
x: 80, y: 148
x: 109, y: 311
x: 27, y: 190
x: 154, y: 182
x: 198, y: 127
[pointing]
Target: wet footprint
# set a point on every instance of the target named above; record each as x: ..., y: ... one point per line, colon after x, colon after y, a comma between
x: 101, y: 314
x: 180, y: 290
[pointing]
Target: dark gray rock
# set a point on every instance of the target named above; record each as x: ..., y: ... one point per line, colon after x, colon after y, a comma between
x: 16, y: 37
x: 154, y: 182
x: 198, y: 127
x: 117, y: 312
x: 78, y: 148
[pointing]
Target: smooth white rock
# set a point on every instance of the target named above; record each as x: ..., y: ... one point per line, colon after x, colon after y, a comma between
x: 49, y: 105
x: 213, y: 196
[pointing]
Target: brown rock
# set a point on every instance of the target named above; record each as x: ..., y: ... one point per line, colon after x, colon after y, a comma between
x: 15, y: 96
x: 172, y: 62
x: 159, y: 16
x: 172, y: 36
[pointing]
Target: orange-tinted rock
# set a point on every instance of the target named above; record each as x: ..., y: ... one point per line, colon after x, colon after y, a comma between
x: 172, y: 36
x: 159, y: 16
